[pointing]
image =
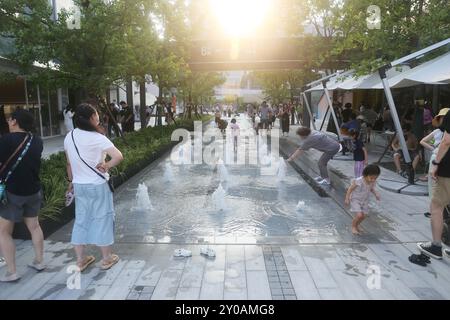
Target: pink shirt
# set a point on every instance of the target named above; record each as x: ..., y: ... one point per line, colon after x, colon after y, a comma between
x: 234, y: 129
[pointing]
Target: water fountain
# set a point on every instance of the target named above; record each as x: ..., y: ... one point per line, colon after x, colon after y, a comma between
x: 223, y: 172
x: 281, y: 169
x: 218, y: 198
x: 300, y: 205
x: 143, y: 199
x: 264, y: 158
x: 168, y: 173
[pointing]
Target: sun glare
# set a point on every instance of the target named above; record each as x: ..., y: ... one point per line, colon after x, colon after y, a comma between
x: 240, y: 17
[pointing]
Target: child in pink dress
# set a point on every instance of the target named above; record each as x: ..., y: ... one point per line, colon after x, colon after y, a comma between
x: 358, y: 195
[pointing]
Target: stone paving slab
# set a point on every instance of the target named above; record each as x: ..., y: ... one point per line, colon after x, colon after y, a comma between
x: 328, y: 272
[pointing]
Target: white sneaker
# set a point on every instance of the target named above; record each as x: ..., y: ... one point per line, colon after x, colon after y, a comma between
x: 318, y: 179
x: 208, y: 252
x: 182, y: 253
x: 2, y: 262
x: 324, y: 182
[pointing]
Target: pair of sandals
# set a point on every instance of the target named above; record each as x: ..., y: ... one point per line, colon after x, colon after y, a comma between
x: 106, y: 265
x: 420, y: 259
x: 208, y: 252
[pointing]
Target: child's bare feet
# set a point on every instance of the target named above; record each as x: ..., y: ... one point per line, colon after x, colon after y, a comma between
x: 355, y: 231
x: 359, y: 230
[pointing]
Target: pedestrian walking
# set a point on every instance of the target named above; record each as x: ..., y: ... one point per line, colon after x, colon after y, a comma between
x: 358, y: 194
x: 440, y: 172
x: 257, y: 123
x: 68, y: 117
x: 284, y: 118
x: 319, y: 141
x: 235, y: 133
x: 127, y: 117
x: 20, y: 190
x: 88, y: 179
x: 264, y: 112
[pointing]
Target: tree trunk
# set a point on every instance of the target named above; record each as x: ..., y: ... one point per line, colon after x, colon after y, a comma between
x: 130, y: 94
x: 159, y: 106
x: 143, y: 107
x: 108, y: 96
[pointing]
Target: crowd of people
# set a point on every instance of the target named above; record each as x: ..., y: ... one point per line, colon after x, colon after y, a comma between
x: 90, y: 155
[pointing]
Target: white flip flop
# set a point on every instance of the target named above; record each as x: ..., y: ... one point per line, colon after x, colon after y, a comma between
x: 208, y: 252
x: 182, y: 253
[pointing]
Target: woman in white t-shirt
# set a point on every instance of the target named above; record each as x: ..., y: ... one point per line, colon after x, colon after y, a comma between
x: 87, y: 172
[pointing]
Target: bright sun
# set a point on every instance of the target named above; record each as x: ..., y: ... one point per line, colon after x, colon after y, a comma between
x: 240, y: 17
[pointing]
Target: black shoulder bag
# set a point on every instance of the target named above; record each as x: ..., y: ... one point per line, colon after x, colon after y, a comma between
x: 3, y: 198
x: 110, y: 183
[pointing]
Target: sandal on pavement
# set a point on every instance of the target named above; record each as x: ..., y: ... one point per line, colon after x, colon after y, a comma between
x: 38, y: 266
x: 87, y: 262
x: 9, y: 277
x: 113, y: 260
x: 419, y: 259
x: 182, y: 253
x: 208, y: 252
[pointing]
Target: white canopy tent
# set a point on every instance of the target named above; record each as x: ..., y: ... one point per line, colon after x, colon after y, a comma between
x: 436, y: 71
x: 392, y: 75
x: 349, y: 81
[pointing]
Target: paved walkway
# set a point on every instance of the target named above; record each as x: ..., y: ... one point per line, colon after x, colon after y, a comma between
x: 322, y: 261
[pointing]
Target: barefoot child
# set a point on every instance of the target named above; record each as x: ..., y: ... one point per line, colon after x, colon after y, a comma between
x: 358, y: 195
x: 235, y: 133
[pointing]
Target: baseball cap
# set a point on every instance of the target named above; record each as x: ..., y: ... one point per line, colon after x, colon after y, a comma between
x: 442, y: 112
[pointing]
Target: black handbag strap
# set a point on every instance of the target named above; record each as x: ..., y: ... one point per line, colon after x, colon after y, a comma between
x: 3, y: 167
x: 76, y: 148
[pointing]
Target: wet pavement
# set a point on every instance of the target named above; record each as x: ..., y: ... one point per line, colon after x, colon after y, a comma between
x: 274, y: 239
x: 259, y: 208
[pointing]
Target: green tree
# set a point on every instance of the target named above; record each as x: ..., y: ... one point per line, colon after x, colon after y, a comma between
x: 405, y: 26
x: 283, y: 85
x: 198, y: 88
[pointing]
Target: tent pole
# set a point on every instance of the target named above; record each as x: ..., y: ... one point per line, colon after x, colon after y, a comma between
x: 330, y: 105
x: 311, y: 118
x: 398, y: 127
x: 324, y: 118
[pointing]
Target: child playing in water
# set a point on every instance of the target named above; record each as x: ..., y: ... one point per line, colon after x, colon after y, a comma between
x: 358, y: 195
x: 235, y: 132
x: 359, y: 153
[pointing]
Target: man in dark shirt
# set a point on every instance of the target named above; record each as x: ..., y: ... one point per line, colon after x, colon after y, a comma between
x: 127, y: 117
x: 23, y: 190
x: 441, y: 194
x: 347, y: 112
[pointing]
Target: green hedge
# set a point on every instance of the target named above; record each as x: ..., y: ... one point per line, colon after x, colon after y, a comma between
x: 139, y: 145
